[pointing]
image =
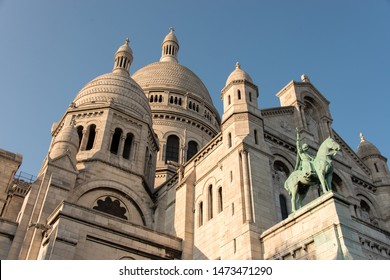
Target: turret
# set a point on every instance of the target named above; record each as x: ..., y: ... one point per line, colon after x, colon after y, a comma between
x: 123, y: 59
x: 239, y: 94
x: 374, y: 161
x: 170, y: 47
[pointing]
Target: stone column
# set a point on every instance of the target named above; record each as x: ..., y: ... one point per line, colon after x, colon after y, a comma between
x: 247, y: 192
x: 121, y: 145
x: 84, y: 140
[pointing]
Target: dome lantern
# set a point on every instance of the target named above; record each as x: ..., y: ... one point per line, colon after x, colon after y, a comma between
x: 170, y: 47
x: 123, y: 59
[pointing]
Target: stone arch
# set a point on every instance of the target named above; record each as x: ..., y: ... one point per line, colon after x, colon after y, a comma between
x: 192, y: 148
x: 281, y: 167
x: 86, y: 195
x: 366, y: 209
x: 172, y: 149
x: 312, y: 117
x: 339, y: 185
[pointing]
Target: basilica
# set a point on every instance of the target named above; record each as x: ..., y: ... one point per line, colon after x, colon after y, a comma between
x: 141, y: 166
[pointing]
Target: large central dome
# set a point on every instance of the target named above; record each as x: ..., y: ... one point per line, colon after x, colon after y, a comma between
x: 184, y: 116
x: 171, y: 75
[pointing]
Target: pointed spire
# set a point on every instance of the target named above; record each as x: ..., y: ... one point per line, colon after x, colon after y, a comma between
x: 123, y: 59
x: 170, y: 47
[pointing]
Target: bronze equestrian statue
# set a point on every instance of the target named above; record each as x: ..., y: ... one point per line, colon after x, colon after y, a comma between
x: 310, y: 171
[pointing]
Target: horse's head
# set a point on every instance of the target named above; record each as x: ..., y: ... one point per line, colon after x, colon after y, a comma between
x: 329, y: 148
x: 332, y: 147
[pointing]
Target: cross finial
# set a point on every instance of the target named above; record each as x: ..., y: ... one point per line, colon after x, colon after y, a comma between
x: 127, y: 41
x: 171, y: 29
x: 237, y: 64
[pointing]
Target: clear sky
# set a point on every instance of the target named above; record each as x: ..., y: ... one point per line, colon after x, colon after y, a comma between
x: 50, y: 49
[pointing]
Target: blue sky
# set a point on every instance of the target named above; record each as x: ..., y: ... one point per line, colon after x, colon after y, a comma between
x: 50, y: 49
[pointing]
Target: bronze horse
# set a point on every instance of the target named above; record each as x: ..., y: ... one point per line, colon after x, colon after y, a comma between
x: 298, y: 183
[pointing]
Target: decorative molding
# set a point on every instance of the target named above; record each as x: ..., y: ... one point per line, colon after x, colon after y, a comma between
x: 237, y: 82
x: 364, y: 184
x: 280, y: 111
x: 208, y: 148
x: 276, y: 140
x: 375, y: 247
x: 182, y: 121
x: 128, y: 119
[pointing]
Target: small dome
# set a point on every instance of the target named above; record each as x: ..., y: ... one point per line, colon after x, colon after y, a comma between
x: 238, y: 74
x: 366, y: 148
x: 125, y: 47
x: 171, y: 37
x: 66, y: 141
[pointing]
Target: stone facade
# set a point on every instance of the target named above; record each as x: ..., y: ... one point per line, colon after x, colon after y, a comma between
x: 143, y: 167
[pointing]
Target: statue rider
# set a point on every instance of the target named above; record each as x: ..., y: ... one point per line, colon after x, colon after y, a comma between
x: 304, y: 160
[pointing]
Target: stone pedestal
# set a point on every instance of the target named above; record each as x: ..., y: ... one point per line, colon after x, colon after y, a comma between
x: 323, y: 229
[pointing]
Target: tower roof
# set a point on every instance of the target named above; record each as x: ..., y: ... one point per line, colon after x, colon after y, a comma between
x: 366, y: 148
x: 238, y: 74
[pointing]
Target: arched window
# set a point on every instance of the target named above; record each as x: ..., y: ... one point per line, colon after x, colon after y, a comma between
x: 250, y: 97
x: 201, y: 213
x: 160, y: 99
x: 127, y: 146
x: 229, y: 140
x: 365, y: 211
x: 283, y: 206
x: 116, y: 138
x: 229, y: 101
x: 172, y: 151
x: 151, y: 99
x: 192, y: 149
x: 80, y: 133
x: 238, y: 94
x: 220, y: 200
x: 210, y: 202
x: 91, y: 137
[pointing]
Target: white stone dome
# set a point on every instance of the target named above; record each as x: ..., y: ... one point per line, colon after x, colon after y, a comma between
x: 114, y: 90
x: 238, y: 74
x: 173, y: 76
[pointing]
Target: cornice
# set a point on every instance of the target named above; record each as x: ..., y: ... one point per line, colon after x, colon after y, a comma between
x: 351, y: 153
x: 182, y: 121
x: 279, y: 111
x: 238, y: 82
